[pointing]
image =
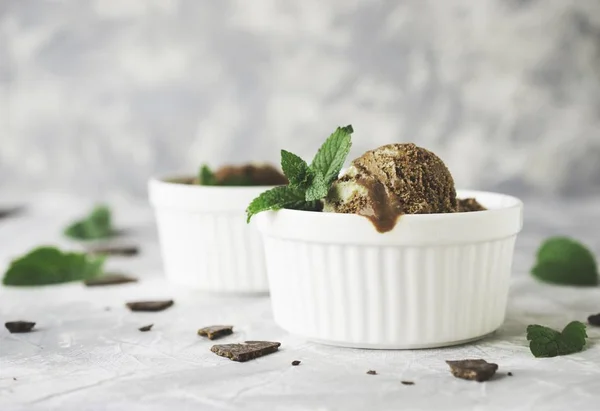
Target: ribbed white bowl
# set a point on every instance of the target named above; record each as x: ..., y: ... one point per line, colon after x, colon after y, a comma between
x: 434, y: 280
x: 205, y: 241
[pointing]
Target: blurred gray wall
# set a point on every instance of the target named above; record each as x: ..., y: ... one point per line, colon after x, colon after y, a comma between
x: 96, y: 96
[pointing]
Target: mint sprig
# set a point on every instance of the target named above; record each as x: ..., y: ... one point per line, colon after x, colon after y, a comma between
x: 546, y: 342
x: 308, y: 185
x: 96, y: 225
x: 206, y: 177
x: 562, y: 260
x: 49, y: 265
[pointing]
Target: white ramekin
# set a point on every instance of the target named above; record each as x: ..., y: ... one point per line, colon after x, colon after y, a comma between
x: 205, y: 241
x: 434, y: 280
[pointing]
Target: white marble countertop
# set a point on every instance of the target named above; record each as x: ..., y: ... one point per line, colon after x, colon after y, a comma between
x: 87, y: 352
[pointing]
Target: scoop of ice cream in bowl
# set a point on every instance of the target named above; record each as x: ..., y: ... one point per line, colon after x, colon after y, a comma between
x: 204, y: 239
x: 385, y: 254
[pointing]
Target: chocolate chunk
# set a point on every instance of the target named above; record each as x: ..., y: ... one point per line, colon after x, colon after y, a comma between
x: 110, y: 279
x: 249, y: 350
x: 15, y: 327
x: 510, y: 374
x: 469, y: 204
x: 372, y: 372
x: 10, y: 211
x: 296, y: 362
x: 215, y: 332
x: 150, y: 305
x: 126, y: 250
x: 146, y: 328
x: 594, y: 320
x: 477, y: 370
x: 407, y: 383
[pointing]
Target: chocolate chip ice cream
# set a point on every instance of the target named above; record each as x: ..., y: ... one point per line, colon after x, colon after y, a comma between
x: 393, y: 180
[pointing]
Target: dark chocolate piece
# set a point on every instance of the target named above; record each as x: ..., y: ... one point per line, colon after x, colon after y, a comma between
x: 16, y: 327
x: 372, y: 372
x: 215, y: 332
x: 246, y: 351
x: 594, y: 320
x: 407, y: 383
x: 146, y: 328
x: 510, y: 374
x: 125, y: 250
x: 109, y: 279
x: 477, y: 370
x: 296, y: 362
x: 150, y: 305
x: 10, y: 211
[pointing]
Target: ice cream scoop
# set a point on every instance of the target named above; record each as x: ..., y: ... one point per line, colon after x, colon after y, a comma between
x: 393, y: 180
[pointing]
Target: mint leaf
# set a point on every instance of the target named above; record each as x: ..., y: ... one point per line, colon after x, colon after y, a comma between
x: 318, y: 188
x: 307, y: 185
x: 546, y: 342
x: 98, y: 224
x: 562, y: 260
x: 206, y: 177
x: 275, y: 199
x: 295, y: 169
x: 49, y: 265
x: 330, y: 158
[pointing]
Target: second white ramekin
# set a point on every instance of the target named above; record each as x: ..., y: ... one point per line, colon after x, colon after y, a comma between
x: 434, y: 280
x: 205, y: 241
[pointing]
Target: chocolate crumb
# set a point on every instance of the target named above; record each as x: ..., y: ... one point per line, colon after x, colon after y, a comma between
x: 407, y: 383
x: 246, y: 351
x: 150, y: 306
x: 14, y: 378
x: 296, y: 362
x: 469, y: 204
x: 215, y: 332
x: 510, y: 374
x: 146, y: 328
x: 125, y: 250
x: 372, y: 372
x: 594, y: 320
x: 109, y: 279
x: 17, y: 327
x: 477, y: 370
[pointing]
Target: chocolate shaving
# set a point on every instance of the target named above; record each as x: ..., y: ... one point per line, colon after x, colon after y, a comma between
x: 296, y: 362
x: 246, y: 351
x: 594, y: 320
x: 17, y: 327
x: 372, y: 372
x: 150, y: 306
x: 407, y: 383
x: 477, y: 370
x: 109, y: 279
x: 146, y: 328
x: 126, y: 251
x: 215, y: 332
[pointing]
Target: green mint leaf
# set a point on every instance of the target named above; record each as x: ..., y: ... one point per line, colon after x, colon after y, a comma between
x: 330, y: 158
x: 295, y: 169
x: 275, y: 199
x: 206, y: 177
x: 546, y: 342
x: 318, y: 188
x: 97, y: 225
x: 49, y: 265
x: 562, y: 260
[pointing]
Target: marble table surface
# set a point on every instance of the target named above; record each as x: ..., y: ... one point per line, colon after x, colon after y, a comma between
x: 87, y: 352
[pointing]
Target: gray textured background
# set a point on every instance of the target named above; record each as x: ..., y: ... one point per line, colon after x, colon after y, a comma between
x: 96, y: 96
